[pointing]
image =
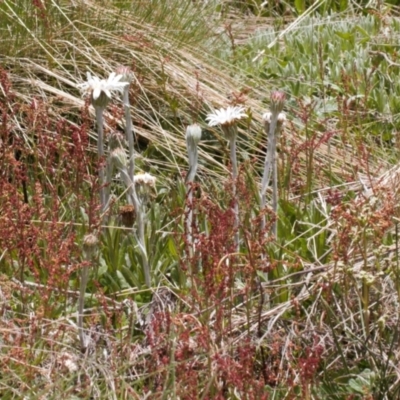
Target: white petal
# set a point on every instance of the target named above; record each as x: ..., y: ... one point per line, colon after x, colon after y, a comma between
x: 96, y: 92
x: 111, y: 77
x: 118, y: 77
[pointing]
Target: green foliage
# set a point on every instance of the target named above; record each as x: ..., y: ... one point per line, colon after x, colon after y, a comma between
x: 295, y: 7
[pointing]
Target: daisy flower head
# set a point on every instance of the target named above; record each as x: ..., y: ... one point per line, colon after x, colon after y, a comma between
x: 100, y: 89
x: 145, y: 179
x: 145, y: 185
x: 226, y: 116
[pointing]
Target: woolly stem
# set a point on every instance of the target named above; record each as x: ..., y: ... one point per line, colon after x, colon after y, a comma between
x: 275, y: 191
x: 100, y: 151
x: 129, y: 132
x: 140, y: 221
x: 128, y: 178
x: 270, y: 168
x: 232, y: 145
x: 193, y: 161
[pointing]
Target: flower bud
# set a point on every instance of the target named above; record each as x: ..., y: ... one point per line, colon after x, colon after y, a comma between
x: 118, y: 157
x: 277, y: 101
x: 127, y: 215
x: 90, y: 245
x: 126, y: 73
x: 193, y: 133
x: 116, y: 139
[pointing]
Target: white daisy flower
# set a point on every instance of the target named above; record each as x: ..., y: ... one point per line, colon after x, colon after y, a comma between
x: 100, y: 89
x: 226, y: 116
x: 145, y: 185
x: 145, y: 179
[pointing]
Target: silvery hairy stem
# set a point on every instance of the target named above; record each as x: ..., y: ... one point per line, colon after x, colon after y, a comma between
x: 189, y: 190
x: 193, y: 136
x: 129, y: 132
x: 100, y: 151
x: 270, y: 167
x: 275, y: 189
x: 140, y: 221
x: 89, y: 248
x: 128, y: 177
x: 232, y: 145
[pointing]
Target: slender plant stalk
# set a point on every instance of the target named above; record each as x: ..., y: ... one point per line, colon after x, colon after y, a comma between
x: 193, y: 136
x: 189, y: 221
x: 275, y: 189
x: 273, y: 122
x: 82, y: 290
x: 128, y: 177
x: 129, y: 132
x: 270, y: 168
x: 140, y: 220
x: 90, y: 244
x: 100, y: 95
x: 232, y: 145
x: 100, y: 150
x: 227, y: 119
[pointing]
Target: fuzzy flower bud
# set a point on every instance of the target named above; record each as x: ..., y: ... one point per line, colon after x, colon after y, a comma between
x: 277, y: 102
x: 127, y: 215
x: 126, y: 73
x: 118, y: 157
x: 116, y: 139
x: 193, y: 134
x: 90, y: 245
